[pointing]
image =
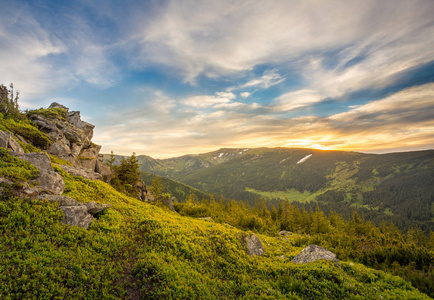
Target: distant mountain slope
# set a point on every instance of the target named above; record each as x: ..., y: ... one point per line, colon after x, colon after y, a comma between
x: 394, y: 187
x: 177, y: 189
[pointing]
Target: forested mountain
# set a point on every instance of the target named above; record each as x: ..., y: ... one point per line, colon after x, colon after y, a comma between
x: 66, y: 233
x: 395, y: 187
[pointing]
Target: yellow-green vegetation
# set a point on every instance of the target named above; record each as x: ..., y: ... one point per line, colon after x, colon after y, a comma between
x: 136, y: 249
x: 290, y: 195
x: 14, y: 168
x: 52, y: 113
x: 26, y: 129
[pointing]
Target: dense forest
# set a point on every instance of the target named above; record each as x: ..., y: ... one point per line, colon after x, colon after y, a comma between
x: 395, y: 187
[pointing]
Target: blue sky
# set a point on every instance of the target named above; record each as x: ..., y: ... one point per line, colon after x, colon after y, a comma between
x: 167, y: 78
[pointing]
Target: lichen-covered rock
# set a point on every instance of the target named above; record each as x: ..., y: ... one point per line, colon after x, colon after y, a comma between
x: 7, y: 141
x: 313, y: 253
x: 254, y: 245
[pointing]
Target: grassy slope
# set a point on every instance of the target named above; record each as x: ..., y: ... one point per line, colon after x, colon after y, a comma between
x: 137, y: 250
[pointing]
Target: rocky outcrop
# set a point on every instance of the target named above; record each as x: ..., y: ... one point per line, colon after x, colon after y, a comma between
x: 254, y: 245
x: 79, y: 171
x: 7, y: 141
x: 76, y: 214
x: 48, y: 181
x: 313, y: 253
x: 72, y: 142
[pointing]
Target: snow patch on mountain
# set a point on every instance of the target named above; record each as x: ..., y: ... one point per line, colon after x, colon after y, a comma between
x: 304, y: 159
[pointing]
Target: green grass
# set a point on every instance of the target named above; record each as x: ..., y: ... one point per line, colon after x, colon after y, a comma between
x: 27, y: 130
x: 15, y: 169
x: 52, y: 113
x: 292, y: 195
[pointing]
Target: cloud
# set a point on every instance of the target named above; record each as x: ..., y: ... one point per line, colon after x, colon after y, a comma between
x: 245, y: 94
x: 403, y: 120
x: 269, y: 78
x: 297, y: 99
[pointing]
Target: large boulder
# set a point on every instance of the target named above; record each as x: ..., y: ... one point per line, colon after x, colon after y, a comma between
x: 254, y: 245
x: 313, y: 253
x: 48, y: 181
x: 76, y: 214
x: 7, y: 141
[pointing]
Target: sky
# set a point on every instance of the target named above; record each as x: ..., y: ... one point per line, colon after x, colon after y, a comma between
x: 168, y: 78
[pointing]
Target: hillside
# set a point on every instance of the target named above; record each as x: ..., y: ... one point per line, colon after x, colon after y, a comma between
x: 394, y: 187
x: 65, y: 233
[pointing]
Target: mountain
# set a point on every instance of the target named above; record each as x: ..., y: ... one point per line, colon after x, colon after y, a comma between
x: 177, y: 189
x: 65, y: 233
x: 393, y: 187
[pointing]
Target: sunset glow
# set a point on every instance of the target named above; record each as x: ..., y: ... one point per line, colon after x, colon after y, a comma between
x: 167, y: 78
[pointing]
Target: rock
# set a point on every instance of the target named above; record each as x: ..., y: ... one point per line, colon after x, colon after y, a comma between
x: 88, y: 163
x: 75, y: 119
x: 206, y: 218
x: 62, y: 200
x: 254, y: 245
x: 78, y: 171
x: 60, y: 148
x: 57, y: 105
x: 169, y: 202
x: 91, y: 152
x: 313, y: 253
x: 285, y: 233
x: 38, y: 159
x: 48, y: 181
x: 104, y: 170
x: 7, y: 141
x: 77, y: 216
x: 94, y: 208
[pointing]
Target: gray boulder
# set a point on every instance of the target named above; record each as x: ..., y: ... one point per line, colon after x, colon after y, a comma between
x: 254, y: 245
x: 78, y: 171
x: 62, y: 200
x: 76, y: 214
x: 313, y: 253
x: 7, y: 141
x: 88, y: 163
x: 104, y: 170
x: 94, y: 208
x: 38, y: 159
x: 48, y: 181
